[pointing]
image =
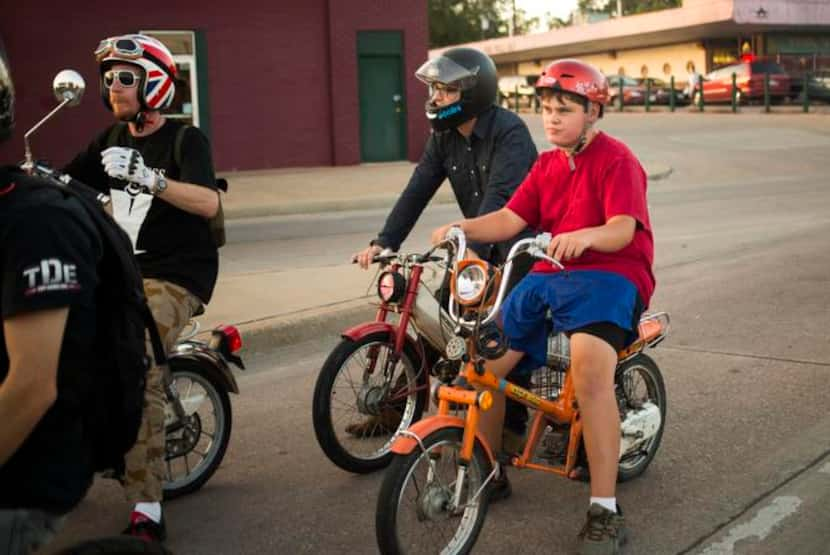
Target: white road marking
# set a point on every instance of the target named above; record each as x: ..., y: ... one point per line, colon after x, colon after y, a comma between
x: 760, y: 526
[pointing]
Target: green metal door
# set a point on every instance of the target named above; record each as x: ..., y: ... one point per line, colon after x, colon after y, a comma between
x: 382, y: 103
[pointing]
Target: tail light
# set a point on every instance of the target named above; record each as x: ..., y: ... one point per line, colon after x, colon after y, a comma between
x: 232, y: 338
x: 228, y: 341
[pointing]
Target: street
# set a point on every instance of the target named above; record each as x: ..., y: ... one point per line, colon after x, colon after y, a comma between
x: 741, y: 232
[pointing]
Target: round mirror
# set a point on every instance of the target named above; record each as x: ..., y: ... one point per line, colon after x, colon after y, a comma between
x: 69, y: 84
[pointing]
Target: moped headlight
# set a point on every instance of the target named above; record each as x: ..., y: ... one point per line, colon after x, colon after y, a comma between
x: 470, y: 282
x: 391, y: 287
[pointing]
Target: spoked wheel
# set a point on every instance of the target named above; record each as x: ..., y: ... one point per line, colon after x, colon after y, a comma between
x: 415, y: 512
x: 638, y: 382
x: 363, y: 396
x: 195, y: 447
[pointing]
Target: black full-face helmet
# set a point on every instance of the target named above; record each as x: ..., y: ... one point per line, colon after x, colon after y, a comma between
x: 6, y: 96
x: 470, y: 70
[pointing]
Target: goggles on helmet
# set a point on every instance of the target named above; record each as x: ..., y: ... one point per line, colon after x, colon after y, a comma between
x: 121, y: 47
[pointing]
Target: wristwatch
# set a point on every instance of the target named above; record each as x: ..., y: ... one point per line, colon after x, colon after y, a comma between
x: 161, y: 184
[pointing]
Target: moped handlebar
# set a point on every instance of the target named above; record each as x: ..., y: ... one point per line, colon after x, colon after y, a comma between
x: 534, y: 246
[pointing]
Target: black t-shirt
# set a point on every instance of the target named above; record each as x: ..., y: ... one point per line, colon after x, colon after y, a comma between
x: 49, y: 250
x: 170, y: 244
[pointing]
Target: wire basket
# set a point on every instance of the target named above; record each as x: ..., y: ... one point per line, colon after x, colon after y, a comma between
x: 547, y: 382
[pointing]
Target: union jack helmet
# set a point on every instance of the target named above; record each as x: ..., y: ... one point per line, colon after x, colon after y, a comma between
x: 156, y: 87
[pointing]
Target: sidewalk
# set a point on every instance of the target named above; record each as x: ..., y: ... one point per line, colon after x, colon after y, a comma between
x: 273, y: 309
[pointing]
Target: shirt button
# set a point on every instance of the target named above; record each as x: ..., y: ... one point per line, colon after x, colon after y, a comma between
x: 469, y: 149
x: 453, y: 168
x: 475, y: 194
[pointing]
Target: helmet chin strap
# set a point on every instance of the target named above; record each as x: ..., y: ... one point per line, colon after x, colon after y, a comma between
x: 580, y: 144
x: 139, y: 119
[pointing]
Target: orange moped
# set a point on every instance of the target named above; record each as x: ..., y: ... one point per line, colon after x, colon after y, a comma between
x: 434, y: 496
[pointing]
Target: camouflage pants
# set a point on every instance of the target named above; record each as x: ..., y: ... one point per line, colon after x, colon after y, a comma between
x: 25, y: 530
x: 172, y: 306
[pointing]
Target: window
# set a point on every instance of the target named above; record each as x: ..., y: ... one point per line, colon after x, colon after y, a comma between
x: 182, y: 45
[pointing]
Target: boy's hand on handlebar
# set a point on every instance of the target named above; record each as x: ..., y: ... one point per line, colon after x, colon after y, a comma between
x: 567, y: 246
x: 365, y: 257
x: 440, y: 233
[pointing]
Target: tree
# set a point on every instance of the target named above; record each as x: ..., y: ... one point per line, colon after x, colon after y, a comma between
x: 629, y: 7
x: 460, y: 21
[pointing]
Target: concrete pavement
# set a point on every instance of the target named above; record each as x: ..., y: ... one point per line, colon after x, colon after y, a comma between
x: 278, y: 308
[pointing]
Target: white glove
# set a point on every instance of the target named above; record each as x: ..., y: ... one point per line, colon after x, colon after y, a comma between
x: 128, y: 164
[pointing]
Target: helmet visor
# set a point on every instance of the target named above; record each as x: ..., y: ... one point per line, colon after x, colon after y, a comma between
x: 444, y: 70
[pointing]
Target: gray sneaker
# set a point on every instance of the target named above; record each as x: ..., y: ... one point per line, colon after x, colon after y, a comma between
x: 604, y: 532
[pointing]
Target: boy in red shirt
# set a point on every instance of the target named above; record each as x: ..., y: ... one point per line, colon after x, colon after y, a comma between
x: 590, y: 194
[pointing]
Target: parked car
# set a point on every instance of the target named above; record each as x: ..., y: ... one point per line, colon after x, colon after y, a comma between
x: 660, y: 91
x: 717, y: 85
x: 818, y: 86
x: 634, y: 91
x: 509, y: 85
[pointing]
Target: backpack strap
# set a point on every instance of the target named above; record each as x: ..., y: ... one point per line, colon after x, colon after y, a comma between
x: 115, y: 130
x: 177, y: 145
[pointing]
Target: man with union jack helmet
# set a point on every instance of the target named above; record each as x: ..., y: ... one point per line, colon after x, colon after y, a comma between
x: 160, y: 177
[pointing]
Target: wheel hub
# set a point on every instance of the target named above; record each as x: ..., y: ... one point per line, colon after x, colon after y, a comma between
x: 187, y: 437
x: 370, y: 399
x: 434, y: 503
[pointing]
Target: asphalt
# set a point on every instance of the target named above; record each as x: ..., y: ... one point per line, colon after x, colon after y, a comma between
x: 276, y: 309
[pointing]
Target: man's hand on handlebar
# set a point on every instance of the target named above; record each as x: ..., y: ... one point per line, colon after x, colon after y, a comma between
x: 365, y: 257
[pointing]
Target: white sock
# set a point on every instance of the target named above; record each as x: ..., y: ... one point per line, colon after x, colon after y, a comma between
x: 150, y: 510
x: 609, y: 503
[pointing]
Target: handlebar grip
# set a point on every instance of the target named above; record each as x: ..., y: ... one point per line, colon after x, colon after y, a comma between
x: 543, y: 240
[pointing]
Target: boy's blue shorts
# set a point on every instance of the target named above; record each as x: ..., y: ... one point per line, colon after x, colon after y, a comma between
x: 574, y: 299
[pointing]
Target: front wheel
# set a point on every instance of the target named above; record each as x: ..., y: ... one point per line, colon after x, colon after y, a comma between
x: 415, y: 512
x: 638, y: 381
x: 195, y: 447
x: 364, y: 394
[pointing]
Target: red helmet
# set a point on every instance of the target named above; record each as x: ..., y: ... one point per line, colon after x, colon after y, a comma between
x: 575, y: 77
x: 157, y: 86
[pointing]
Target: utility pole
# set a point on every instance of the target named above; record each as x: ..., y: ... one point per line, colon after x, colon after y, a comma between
x: 513, y: 20
x: 619, y: 8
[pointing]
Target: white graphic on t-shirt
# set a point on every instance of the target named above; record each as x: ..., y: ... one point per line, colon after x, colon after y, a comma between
x: 50, y: 274
x: 130, y: 211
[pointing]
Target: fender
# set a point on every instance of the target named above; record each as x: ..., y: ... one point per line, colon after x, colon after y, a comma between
x: 404, y: 445
x: 358, y: 332
x: 195, y: 351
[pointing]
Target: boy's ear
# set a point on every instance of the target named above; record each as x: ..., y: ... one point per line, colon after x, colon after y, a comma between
x: 593, y: 112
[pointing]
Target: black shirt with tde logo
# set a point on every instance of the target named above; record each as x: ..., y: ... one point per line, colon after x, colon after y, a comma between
x: 170, y: 244
x: 49, y: 250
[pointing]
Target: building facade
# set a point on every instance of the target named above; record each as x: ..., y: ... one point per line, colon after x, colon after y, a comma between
x: 274, y: 84
x: 704, y: 33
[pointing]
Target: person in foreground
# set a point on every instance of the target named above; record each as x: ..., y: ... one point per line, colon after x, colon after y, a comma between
x: 589, y: 192
x: 48, y: 277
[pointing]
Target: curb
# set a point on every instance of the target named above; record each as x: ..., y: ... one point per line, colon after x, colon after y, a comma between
x: 280, y: 331
x: 654, y: 172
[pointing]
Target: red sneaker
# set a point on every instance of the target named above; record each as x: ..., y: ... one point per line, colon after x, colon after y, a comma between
x: 143, y: 527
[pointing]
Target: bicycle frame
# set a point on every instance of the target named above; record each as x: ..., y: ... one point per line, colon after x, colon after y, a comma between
x: 397, y: 331
x: 562, y: 410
